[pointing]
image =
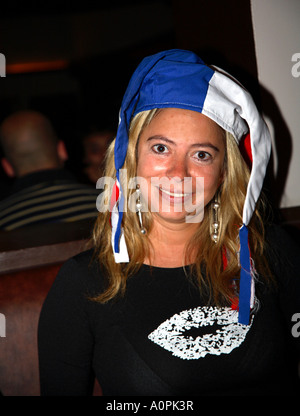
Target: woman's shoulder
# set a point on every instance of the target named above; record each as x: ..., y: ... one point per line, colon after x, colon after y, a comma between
x: 281, y: 240
x: 276, y: 232
x: 283, y: 252
x: 82, y: 259
x: 82, y: 270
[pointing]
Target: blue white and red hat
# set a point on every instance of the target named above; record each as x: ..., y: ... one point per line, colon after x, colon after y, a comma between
x: 180, y: 79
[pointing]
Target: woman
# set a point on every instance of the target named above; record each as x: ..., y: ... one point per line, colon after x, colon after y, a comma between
x: 181, y: 294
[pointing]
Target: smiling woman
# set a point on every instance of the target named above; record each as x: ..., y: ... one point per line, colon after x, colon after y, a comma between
x: 173, y: 150
x: 162, y: 305
x: 177, y: 145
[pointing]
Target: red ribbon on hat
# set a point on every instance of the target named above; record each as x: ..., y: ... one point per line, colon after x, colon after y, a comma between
x: 114, y: 197
x: 245, y: 149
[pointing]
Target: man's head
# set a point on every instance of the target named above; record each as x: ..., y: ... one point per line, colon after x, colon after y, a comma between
x: 30, y: 144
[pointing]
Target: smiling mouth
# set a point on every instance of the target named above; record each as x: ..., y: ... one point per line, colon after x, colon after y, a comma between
x: 174, y: 194
x: 175, y: 198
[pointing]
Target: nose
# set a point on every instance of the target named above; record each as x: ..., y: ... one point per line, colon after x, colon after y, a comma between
x: 178, y: 168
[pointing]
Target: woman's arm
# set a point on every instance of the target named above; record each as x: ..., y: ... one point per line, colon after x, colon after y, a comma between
x: 65, y: 341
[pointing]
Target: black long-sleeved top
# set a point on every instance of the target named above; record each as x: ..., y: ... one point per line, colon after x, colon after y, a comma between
x: 162, y: 339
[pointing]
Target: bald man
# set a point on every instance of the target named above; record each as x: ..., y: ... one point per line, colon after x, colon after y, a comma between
x: 30, y: 144
x: 43, y: 190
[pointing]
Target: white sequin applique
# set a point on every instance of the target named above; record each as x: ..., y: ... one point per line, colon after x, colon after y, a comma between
x: 230, y: 334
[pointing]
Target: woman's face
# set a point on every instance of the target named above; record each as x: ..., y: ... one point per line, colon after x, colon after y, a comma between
x: 180, y: 160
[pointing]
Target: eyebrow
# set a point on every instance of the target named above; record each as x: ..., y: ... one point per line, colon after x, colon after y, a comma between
x: 166, y: 140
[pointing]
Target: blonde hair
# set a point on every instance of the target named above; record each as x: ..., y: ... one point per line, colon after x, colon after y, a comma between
x: 208, y: 270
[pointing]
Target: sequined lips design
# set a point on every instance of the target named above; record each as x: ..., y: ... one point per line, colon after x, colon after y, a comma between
x: 230, y: 334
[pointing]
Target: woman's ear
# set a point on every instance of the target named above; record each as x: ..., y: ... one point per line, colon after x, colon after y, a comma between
x: 7, y: 167
x: 222, y: 177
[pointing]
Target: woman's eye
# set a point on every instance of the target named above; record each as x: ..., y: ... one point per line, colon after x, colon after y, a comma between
x: 201, y: 155
x: 160, y: 148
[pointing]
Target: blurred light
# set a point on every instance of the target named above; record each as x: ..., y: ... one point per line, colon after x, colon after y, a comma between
x: 26, y: 67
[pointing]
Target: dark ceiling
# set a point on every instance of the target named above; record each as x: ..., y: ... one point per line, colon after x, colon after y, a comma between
x: 101, y: 44
x: 18, y: 8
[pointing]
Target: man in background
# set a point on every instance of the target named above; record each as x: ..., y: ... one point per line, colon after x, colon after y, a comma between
x: 43, y: 191
x: 95, y: 146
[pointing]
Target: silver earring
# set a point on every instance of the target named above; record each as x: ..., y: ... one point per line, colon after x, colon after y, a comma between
x: 139, y: 209
x: 215, y: 224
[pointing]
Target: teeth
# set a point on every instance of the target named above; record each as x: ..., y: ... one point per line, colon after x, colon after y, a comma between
x: 173, y: 194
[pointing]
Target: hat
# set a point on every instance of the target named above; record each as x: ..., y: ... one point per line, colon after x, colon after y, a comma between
x: 180, y: 79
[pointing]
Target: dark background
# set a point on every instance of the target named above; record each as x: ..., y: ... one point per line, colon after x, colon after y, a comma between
x: 95, y: 47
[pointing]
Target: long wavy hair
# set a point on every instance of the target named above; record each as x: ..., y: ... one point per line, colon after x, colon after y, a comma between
x: 207, y: 271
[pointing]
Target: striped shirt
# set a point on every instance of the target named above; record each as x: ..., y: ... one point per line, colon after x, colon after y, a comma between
x: 47, y: 196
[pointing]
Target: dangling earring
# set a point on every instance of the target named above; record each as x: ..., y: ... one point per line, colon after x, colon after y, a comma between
x: 139, y: 209
x: 215, y: 224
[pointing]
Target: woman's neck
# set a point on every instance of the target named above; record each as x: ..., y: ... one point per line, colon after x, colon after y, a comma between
x: 168, y: 244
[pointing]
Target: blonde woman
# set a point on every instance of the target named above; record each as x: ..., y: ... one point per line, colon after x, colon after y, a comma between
x: 181, y: 294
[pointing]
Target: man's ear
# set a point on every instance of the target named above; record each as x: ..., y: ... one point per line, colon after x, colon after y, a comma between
x: 7, y: 167
x: 62, y: 151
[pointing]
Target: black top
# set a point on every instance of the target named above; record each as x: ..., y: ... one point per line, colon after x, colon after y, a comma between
x: 162, y: 339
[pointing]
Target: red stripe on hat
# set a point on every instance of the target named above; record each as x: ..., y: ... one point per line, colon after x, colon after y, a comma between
x: 114, y: 195
x: 114, y: 198
x: 245, y: 149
